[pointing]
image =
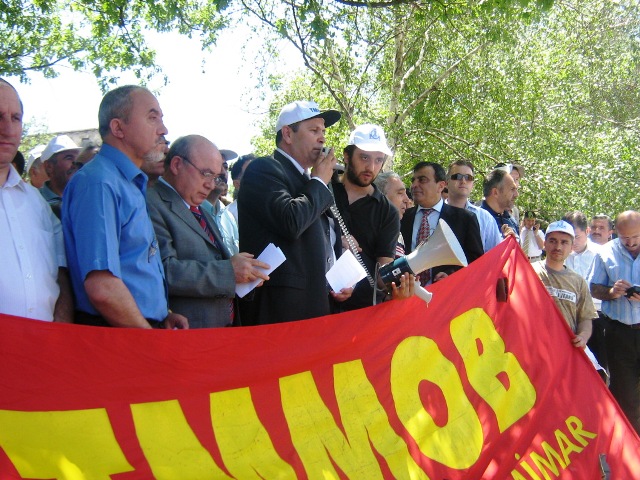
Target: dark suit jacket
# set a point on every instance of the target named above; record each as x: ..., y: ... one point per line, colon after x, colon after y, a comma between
x: 277, y: 204
x: 464, y: 225
x: 199, y: 274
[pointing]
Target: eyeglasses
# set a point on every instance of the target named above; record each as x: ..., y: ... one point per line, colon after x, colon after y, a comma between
x: 462, y: 176
x: 207, y: 174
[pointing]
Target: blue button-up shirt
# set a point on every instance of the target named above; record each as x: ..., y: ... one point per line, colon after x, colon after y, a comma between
x: 612, y: 263
x: 107, y: 227
x: 502, y: 218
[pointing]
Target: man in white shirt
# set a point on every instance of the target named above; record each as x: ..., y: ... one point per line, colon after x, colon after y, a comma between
x: 33, y: 278
x: 580, y: 261
x: 531, y: 238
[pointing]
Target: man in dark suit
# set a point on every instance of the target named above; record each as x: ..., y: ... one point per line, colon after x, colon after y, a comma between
x: 429, y: 179
x: 283, y: 201
x: 201, y: 273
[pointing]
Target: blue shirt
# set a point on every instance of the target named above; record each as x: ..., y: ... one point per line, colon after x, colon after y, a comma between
x: 612, y: 263
x: 489, y: 232
x: 107, y: 227
x: 502, y: 218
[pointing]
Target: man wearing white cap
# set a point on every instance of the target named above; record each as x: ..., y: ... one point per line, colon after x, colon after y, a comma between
x: 35, y: 168
x: 283, y: 200
x: 369, y: 216
x: 33, y: 279
x: 59, y: 159
x: 567, y: 288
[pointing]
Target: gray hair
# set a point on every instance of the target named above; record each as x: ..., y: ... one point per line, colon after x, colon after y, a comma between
x: 115, y: 104
x: 382, y: 180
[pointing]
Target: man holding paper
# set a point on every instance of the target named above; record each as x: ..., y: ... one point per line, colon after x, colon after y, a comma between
x: 283, y: 200
x: 369, y: 216
x: 201, y: 273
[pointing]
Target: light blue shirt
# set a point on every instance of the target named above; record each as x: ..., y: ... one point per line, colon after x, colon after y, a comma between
x: 489, y: 231
x: 107, y: 227
x: 226, y: 223
x: 612, y: 263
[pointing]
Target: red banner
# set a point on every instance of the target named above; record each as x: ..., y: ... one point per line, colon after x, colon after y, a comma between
x: 467, y: 387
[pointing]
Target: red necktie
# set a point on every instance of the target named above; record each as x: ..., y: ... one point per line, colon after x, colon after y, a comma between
x: 424, y: 232
x: 203, y: 223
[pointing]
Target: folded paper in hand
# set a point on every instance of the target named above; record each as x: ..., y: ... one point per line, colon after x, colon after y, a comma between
x: 272, y: 256
x: 345, y: 273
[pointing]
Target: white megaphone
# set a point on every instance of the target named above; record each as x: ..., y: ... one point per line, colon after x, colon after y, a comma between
x: 442, y: 248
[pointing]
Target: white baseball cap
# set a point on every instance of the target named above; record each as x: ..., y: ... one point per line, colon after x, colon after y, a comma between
x: 228, y: 154
x: 560, y: 226
x: 34, y: 154
x: 58, y: 144
x: 370, y: 138
x: 304, y: 110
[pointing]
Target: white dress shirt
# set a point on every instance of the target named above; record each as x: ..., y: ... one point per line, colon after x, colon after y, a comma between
x: 32, y: 251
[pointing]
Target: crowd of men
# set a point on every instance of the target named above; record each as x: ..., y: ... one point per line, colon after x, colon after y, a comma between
x: 138, y: 232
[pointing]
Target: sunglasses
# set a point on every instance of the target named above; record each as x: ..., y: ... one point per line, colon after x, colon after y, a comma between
x: 462, y: 176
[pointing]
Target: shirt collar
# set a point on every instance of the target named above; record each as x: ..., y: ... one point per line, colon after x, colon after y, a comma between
x: 437, y: 207
x: 292, y: 160
x: 14, y: 180
x: 125, y: 165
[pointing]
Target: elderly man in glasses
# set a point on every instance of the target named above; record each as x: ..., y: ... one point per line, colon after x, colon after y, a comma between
x: 460, y: 179
x: 215, y: 206
x: 201, y: 272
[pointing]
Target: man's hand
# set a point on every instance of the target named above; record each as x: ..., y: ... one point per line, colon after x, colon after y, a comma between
x: 323, y: 168
x: 345, y: 243
x: 507, y: 231
x: 342, y: 295
x: 619, y: 289
x: 175, y: 320
x: 579, y: 341
x: 406, y: 288
x: 247, y: 269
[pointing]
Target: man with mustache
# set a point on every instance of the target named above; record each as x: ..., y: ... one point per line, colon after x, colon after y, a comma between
x: 60, y: 162
x: 283, y: 201
x: 369, y: 216
x: 112, y: 252
x: 421, y: 221
x: 601, y: 229
x: 614, y: 279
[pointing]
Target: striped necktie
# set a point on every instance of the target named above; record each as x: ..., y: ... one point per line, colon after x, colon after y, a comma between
x: 203, y: 223
x: 424, y: 232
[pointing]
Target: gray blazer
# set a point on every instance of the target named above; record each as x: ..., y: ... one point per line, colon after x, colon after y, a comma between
x: 199, y: 274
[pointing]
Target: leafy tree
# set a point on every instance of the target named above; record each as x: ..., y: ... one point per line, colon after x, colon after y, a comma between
x: 554, y: 91
x: 106, y: 35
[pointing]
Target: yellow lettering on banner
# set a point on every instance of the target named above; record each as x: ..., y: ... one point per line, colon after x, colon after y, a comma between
x: 509, y: 403
x: 574, y: 424
x: 319, y: 440
x: 548, y: 463
x: 169, y: 444
x: 66, y: 444
x: 555, y: 462
x: 458, y: 443
x: 245, y: 445
x: 566, y: 447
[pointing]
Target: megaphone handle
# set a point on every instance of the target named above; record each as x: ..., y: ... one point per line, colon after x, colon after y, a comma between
x: 422, y: 293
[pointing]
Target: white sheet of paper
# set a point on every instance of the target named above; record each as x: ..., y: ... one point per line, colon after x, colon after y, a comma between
x: 272, y: 256
x: 345, y: 273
